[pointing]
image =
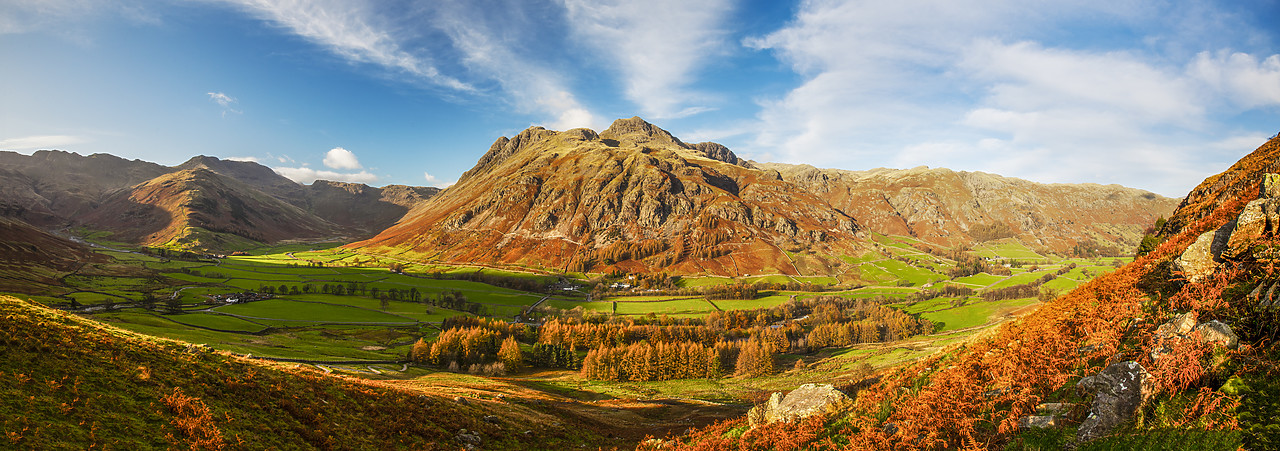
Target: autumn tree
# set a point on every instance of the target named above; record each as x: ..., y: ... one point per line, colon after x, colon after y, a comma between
x: 509, y: 354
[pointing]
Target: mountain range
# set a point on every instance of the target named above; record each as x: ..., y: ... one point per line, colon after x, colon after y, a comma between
x: 632, y: 198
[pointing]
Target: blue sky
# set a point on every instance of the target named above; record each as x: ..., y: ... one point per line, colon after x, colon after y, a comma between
x: 1151, y: 94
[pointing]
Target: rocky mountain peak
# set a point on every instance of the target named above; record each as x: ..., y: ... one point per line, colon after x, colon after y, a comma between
x: 717, y: 151
x: 637, y: 131
x: 504, y: 148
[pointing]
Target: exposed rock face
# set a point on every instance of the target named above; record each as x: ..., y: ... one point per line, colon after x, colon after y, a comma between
x: 1039, y: 422
x: 633, y: 198
x: 1218, y: 333
x: 950, y: 208
x: 1204, y: 255
x: 1186, y: 327
x: 716, y: 151
x: 1118, y: 391
x: 1180, y: 325
x: 806, y: 401
x: 1259, y: 220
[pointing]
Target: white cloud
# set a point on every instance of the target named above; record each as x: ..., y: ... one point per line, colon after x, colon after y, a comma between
x: 435, y: 181
x: 352, y: 30
x: 976, y: 85
x: 461, y: 46
x: 67, y: 17
x: 225, y: 101
x: 1027, y: 76
x: 1240, y: 77
x: 246, y: 159
x: 39, y: 142
x: 490, y: 44
x: 656, y: 46
x: 305, y: 175
x: 339, y: 158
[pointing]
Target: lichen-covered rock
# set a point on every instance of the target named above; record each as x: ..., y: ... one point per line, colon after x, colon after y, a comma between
x: 1179, y: 325
x: 1204, y: 255
x: 1038, y: 422
x: 1186, y: 327
x: 1259, y: 219
x: 1218, y: 332
x: 806, y: 401
x: 1118, y: 391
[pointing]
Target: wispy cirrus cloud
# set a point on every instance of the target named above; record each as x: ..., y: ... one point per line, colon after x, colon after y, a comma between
x: 419, y: 40
x: 39, y: 142
x: 24, y: 16
x: 353, y: 30
x: 225, y: 101
x: 656, y: 47
x: 492, y: 40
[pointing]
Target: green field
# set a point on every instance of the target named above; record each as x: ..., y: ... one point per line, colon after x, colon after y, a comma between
x: 314, y: 323
x: 1008, y: 248
x: 284, y: 311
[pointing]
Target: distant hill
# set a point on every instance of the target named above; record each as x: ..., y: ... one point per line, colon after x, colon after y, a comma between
x: 952, y: 208
x: 632, y: 198
x: 363, y: 207
x: 51, y: 186
x: 31, y: 258
x: 205, y: 203
x: 197, y: 208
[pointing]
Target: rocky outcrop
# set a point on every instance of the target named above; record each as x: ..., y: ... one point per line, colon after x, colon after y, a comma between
x: 1220, y: 189
x: 1117, y: 392
x: 806, y: 401
x: 1259, y: 220
x: 1218, y: 333
x: 1186, y: 326
x: 1204, y: 255
x: 717, y: 151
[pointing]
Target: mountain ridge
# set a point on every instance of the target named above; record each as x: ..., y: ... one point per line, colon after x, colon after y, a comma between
x: 62, y: 189
x: 560, y: 200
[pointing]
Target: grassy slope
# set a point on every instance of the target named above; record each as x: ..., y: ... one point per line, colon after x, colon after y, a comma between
x: 71, y: 383
x: 972, y: 396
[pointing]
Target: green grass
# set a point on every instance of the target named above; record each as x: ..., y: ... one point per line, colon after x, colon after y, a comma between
x: 980, y: 279
x: 775, y: 278
x: 1019, y: 279
x: 974, y: 313
x: 1008, y: 248
x: 749, y: 304
x: 678, y: 306
x: 284, y: 311
x: 694, y: 282
x: 215, y: 321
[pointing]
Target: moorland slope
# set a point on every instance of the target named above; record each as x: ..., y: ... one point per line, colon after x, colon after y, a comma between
x: 957, y: 209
